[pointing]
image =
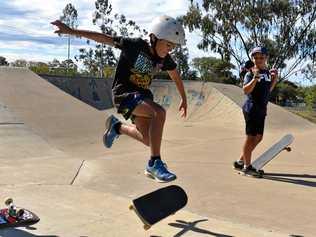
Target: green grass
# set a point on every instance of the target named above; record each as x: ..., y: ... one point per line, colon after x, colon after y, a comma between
x: 307, y: 114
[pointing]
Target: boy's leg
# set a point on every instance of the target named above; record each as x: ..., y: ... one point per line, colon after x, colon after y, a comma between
x: 252, y: 145
x: 126, y: 105
x: 149, y: 121
x: 156, y: 168
x: 257, y: 140
x: 138, y: 131
x: 248, y: 147
x: 157, y: 117
x: 249, y: 144
x: 254, y: 131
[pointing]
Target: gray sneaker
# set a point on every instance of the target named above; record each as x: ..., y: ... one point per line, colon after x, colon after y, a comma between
x: 110, y: 135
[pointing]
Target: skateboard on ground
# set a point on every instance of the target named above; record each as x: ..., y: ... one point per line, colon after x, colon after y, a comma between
x: 13, y: 216
x: 157, y: 205
x: 266, y: 157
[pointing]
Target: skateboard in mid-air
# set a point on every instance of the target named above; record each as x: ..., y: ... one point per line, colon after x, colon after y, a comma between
x: 267, y: 156
x: 157, y: 205
x: 13, y: 216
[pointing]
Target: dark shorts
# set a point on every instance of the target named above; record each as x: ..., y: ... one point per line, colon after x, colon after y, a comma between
x: 127, y: 102
x: 254, y: 124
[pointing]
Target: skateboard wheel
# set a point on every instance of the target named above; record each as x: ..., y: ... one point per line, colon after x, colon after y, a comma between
x: 8, y: 201
x: 146, y: 227
x: 288, y: 148
x: 131, y: 207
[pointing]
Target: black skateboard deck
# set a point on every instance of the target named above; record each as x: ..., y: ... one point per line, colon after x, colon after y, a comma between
x: 157, y: 205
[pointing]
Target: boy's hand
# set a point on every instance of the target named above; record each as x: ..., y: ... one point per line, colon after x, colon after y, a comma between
x: 183, y: 108
x: 62, y: 28
x: 256, y: 72
x: 274, y: 73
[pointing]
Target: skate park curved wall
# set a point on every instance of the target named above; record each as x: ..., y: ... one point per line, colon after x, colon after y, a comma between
x: 77, y: 128
x: 206, y: 101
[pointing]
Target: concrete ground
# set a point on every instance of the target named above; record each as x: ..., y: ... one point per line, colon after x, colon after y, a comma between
x: 53, y: 162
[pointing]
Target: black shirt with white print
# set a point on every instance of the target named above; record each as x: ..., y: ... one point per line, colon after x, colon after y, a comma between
x: 137, y: 66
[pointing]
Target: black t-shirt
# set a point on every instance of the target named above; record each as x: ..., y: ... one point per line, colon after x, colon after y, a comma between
x: 256, y: 101
x: 137, y: 66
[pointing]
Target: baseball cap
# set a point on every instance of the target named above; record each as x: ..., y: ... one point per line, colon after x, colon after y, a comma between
x: 259, y: 49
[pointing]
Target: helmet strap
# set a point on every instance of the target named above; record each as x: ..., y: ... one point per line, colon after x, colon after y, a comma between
x: 153, y: 43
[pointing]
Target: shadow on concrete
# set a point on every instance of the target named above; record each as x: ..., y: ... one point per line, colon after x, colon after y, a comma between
x: 10, y: 232
x: 191, y: 226
x: 289, y: 178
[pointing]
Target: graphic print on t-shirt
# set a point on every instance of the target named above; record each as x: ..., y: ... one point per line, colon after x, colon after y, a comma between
x: 142, y: 71
x: 264, y: 77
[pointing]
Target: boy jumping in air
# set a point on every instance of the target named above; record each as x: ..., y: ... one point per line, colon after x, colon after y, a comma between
x: 258, y: 84
x: 139, y: 61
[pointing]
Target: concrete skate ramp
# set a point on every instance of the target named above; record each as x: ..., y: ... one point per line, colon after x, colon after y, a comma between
x: 211, y: 102
x: 51, y: 148
x: 278, y: 118
x: 61, y: 120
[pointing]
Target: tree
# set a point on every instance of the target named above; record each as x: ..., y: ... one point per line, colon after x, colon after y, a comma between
x: 19, y: 63
x: 3, y: 61
x: 214, y: 69
x: 70, y: 18
x: 89, y: 62
x: 284, y: 92
x: 110, y: 24
x: 66, y: 67
x: 231, y: 28
x: 310, y: 97
x: 54, y: 64
x: 38, y: 67
x: 310, y: 71
x: 181, y: 56
x: 109, y: 72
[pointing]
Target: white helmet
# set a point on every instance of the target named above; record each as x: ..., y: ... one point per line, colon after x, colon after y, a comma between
x: 167, y: 28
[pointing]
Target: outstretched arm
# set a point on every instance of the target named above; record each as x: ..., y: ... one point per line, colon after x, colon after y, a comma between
x: 98, y: 37
x: 174, y: 74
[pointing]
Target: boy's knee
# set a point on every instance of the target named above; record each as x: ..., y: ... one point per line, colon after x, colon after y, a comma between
x: 146, y: 141
x: 259, y: 138
x: 160, y: 113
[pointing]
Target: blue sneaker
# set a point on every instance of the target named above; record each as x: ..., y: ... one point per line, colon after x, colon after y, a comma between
x: 159, y: 172
x: 110, y: 135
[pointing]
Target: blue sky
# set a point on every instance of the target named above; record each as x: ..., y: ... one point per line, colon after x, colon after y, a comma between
x: 25, y: 31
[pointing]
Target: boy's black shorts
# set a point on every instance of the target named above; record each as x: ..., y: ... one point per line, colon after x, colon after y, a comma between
x: 127, y: 102
x: 254, y: 124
